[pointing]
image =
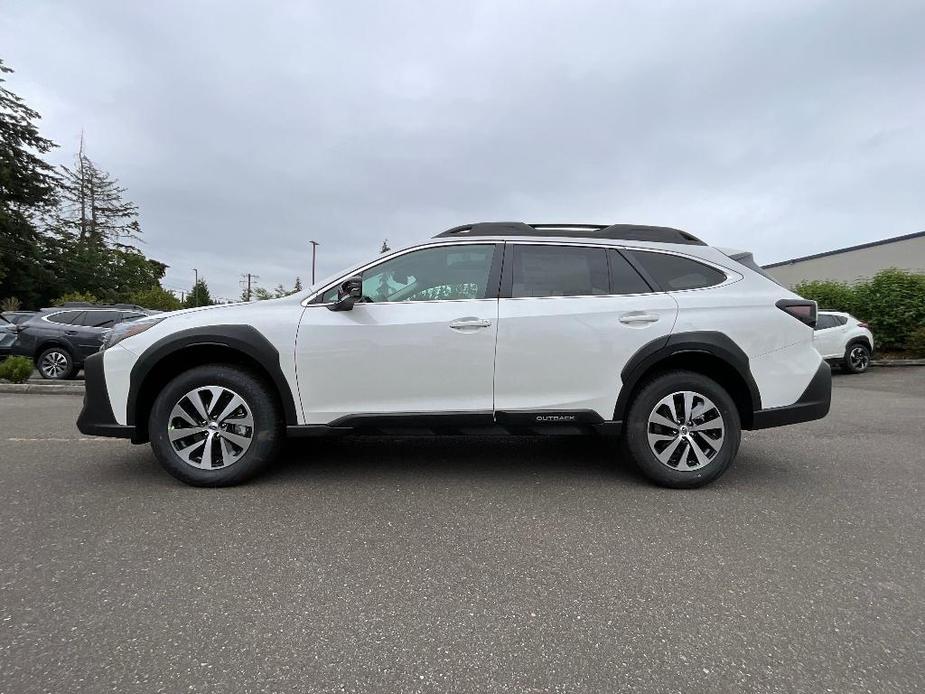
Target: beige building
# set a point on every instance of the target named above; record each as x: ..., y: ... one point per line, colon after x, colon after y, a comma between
x: 854, y: 263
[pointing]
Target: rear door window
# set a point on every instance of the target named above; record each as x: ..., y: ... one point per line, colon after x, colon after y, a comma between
x: 623, y: 277
x: 824, y: 322
x: 675, y: 273
x: 543, y: 270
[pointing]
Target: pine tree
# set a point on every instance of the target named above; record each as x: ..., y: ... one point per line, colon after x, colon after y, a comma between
x: 385, y: 246
x: 199, y: 296
x: 298, y: 285
x: 27, y: 190
x: 24, y: 178
x: 93, y: 208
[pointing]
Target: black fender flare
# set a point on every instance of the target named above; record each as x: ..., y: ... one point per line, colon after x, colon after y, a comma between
x: 245, y: 339
x: 860, y: 339
x: 713, y: 343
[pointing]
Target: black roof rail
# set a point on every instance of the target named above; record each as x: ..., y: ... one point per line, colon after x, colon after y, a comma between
x: 625, y: 232
x: 88, y: 304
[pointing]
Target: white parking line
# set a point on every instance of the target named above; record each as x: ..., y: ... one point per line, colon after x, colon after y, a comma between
x: 88, y: 438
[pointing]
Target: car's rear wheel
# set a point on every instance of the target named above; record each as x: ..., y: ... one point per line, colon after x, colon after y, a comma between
x: 56, y: 363
x: 682, y: 429
x: 215, y: 426
x: 857, y: 358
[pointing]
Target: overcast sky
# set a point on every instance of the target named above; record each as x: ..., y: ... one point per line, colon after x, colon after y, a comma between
x: 243, y: 130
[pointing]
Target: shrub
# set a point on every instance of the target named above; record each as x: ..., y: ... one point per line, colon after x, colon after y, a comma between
x: 11, y: 303
x: 76, y: 296
x: 916, y: 343
x: 157, y: 299
x: 16, y: 369
x: 835, y: 296
x: 893, y: 302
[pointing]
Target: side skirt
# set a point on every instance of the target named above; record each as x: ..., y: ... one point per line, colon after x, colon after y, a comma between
x: 518, y: 422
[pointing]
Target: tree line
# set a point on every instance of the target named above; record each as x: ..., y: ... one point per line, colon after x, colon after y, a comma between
x: 70, y: 232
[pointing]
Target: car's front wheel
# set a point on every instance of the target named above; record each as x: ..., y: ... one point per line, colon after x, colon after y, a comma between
x: 682, y: 429
x: 215, y: 426
x: 857, y: 358
x: 56, y: 363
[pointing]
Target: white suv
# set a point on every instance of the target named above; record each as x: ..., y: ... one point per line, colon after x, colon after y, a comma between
x: 844, y: 340
x: 623, y: 329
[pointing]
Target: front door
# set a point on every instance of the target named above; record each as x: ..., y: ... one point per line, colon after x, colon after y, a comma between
x: 421, y: 341
x: 570, y: 317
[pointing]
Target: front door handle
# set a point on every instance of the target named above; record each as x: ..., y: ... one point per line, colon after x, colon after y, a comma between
x: 470, y: 324
x: 638, y: 317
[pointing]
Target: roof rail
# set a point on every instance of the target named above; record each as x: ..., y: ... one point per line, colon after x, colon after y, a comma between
x: 625, y: 232
x: 89, y: 304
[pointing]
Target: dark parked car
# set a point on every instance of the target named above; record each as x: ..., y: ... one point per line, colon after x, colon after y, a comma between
x: 8, y: 334
x: 16, y: 317
x: 60, y: 339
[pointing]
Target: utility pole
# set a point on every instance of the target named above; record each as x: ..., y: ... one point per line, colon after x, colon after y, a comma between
x: 315, y: 245
x: 246, y: 283
x: 195, y: 284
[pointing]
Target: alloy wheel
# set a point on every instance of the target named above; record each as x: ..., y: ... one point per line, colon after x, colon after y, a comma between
x: 859, y: 358
x: 685, y: 430
x: 211, y: 427
x: 54, y: 364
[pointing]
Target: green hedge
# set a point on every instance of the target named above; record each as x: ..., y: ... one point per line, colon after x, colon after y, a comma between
x: 16, y: 369
x: 892, y: 302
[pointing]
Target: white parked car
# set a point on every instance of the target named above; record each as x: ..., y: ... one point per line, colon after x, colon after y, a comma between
x: 844, y: 340
x: 644, y: 332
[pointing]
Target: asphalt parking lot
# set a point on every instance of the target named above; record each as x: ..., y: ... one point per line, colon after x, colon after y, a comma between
x: 489, y: 564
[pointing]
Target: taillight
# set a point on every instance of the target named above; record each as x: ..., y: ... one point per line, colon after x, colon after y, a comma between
x: 804, y: 311
x: 863, y: 325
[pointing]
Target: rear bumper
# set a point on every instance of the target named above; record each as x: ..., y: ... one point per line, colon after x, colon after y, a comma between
x: 813, y: 404
x: 96, y: 417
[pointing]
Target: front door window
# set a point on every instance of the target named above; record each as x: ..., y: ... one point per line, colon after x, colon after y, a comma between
x: 444, y: 273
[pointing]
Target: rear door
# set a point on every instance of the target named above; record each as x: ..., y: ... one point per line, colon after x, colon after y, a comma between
x: 569, y: 318
x: 829, y: 336
x: 87, y: 336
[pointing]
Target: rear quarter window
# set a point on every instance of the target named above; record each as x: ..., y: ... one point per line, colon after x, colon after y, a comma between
x: 674, y: 272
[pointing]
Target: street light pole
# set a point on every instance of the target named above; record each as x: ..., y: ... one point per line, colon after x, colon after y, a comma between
x: 195, y: 293
x: 314, y: 247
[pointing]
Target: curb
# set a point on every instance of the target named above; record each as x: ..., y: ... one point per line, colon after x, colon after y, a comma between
x: 43, y: 389
x: 897, y: 362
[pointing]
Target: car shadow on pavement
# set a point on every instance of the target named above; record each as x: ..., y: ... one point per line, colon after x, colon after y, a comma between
x: 501, y: 457
x: 397, y: 459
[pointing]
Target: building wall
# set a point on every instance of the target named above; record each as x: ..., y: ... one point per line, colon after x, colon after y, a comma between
x: 852, y: 266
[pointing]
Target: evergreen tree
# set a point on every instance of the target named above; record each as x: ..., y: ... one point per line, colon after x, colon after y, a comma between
x: 93, y: 208
x: 27, y: 190
x: 385, y: 246
x: 298, y: 285
x: 199, y: 296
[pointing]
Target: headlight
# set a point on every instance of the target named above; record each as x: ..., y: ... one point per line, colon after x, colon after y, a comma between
x: 127, y: 329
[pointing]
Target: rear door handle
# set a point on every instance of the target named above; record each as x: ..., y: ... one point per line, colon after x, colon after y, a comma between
x: 630, y: 318
x: 469, y: 324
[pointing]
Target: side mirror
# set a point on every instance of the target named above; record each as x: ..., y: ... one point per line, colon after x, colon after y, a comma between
x: 347, y: 294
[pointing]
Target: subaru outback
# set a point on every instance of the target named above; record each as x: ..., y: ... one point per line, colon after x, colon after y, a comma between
x: 645, y: 333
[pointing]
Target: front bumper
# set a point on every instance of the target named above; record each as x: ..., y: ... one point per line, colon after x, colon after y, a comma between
x: 96, y: 417
x: 813, y: 404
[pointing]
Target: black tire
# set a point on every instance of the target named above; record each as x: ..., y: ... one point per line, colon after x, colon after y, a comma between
x: 857, y: 358
x: 265, y: 434
x: 56, y: 364
x: 684, y: 475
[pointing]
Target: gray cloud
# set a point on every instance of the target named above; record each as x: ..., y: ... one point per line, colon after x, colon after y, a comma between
x: 243, y: 132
